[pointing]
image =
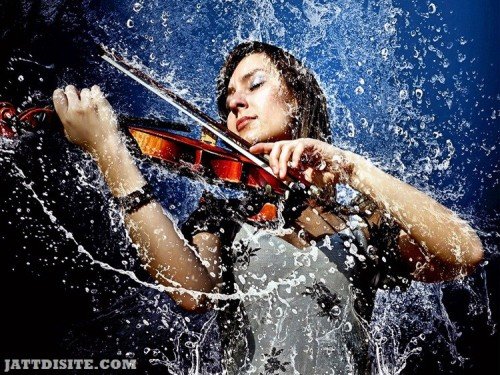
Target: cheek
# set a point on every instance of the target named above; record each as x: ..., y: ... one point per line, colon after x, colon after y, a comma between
x: 231, y: 122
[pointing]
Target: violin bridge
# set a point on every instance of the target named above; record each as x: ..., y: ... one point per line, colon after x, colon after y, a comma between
x: 208, y: 137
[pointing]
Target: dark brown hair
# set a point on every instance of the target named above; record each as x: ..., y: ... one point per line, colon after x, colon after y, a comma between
x: 312, y: 117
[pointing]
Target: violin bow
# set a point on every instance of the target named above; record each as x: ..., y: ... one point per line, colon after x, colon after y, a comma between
x: 215, y: 127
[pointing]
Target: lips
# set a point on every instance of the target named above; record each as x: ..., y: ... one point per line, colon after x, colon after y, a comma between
x: 242, y: 122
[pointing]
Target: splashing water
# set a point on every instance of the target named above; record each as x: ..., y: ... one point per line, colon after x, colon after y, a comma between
x: 399, y: 83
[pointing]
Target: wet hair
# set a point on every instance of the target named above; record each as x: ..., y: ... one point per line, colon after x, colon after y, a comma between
x: 312, y: 117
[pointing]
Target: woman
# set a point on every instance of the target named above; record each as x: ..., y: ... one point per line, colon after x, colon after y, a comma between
x: 290, y: 299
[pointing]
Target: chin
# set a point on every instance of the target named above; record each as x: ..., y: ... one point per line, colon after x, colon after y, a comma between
x: 249, y: 136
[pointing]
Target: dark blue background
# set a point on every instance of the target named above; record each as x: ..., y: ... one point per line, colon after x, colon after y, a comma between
x: 51, y: 43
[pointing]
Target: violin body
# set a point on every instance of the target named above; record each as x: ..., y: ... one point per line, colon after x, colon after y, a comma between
x: 202, y: 158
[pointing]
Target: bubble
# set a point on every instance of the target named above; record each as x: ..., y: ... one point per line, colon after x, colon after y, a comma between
x: 419, y: 93
x: 384, y: 52
x: 403, y: 94
x: 359, y: 90
x: 389, y: 28
x: 137, y: 7
x: 130, y: 23
x: 20, y: 78
x: 432, y: 8
x: 335, y: 311
x: 352, y: 130
x: 347, y: 327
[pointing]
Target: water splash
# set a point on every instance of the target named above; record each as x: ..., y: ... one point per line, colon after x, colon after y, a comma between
x: 397, y: 81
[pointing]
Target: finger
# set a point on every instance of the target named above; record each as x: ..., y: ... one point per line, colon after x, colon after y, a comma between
x: 262, y: 148
x: 60, y: 102
x: 73, y: 97
x: 274, y: 157
x: 297, y: 154
x: 98, y: 96
x: 103, y: 106
x: 320, y: 178
x: 85, y: 98
x: 286, y: 152
x: 96, y: 93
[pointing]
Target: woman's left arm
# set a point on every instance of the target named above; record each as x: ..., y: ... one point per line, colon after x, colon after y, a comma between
x: 437, y: 243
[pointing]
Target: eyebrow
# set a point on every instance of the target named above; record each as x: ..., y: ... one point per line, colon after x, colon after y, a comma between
x: 230, y: 89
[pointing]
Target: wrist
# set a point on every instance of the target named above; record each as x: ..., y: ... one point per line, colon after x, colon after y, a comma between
x: 108, y: 147
x: 361, y: 168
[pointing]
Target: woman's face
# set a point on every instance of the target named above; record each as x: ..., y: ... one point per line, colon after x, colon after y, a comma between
x: 259, y: 103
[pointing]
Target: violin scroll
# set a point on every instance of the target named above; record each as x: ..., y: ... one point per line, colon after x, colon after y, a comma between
x: 12, y: 120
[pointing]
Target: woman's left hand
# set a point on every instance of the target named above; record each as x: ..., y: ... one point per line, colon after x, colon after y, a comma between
x: 320, y: 163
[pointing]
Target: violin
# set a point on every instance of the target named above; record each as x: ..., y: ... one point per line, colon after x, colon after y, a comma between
x: 189, y: 156
x: 198, y: 157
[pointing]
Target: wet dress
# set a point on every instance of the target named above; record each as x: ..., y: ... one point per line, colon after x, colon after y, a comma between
x: 299, y: 311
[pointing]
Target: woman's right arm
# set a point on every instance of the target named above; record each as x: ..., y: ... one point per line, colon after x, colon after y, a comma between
x: 89, y: 122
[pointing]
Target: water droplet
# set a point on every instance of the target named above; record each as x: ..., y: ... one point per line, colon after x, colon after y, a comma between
x: 352, y: 130
x: 347, y: 327
x: 335, y: 311
x: 320, y: 167
x: 137, y: 7
x: 130, y: 23
x: 419, y: 93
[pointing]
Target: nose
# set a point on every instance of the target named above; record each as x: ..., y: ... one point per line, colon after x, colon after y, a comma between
x: 238, y: 101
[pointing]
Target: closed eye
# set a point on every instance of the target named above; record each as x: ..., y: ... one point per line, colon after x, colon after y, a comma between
x: 256, y: 85
x: 257, y: 81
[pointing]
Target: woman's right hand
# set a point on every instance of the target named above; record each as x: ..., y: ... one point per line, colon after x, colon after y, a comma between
x: 88, y: 119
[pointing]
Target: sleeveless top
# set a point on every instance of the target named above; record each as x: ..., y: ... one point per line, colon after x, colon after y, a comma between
x: 298, y: 311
